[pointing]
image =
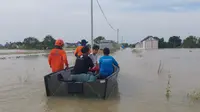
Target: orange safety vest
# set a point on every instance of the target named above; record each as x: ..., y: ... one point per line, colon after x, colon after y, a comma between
x: 57, y: 59
x: 78, y: 51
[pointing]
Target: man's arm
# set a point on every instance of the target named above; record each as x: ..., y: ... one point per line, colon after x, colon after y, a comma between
x: 64, y: 56
x: 91, y: 64
x: 90, y: 55
x: 49, y: 59
x: 76, y: 52
x: 115, y: 62
x: 100, y: 63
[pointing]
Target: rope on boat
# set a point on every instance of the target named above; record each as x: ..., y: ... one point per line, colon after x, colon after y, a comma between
x: 113, y: 88
x: 94, y: 90
x: 47, y: 109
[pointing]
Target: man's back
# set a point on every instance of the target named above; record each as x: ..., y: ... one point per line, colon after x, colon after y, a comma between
x: 57, y: 58
x: 106, y: 65
x: 83, y: 64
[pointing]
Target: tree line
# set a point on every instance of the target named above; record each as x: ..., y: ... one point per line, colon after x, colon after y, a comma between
x: 177, y: 42
x: 31, y: 43
x: 48, y: 43
x: 174, y: 42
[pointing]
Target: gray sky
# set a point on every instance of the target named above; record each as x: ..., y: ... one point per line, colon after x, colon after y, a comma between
x: 70, y: 19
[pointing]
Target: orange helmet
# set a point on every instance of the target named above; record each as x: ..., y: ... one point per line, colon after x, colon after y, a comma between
x: 59, y: 42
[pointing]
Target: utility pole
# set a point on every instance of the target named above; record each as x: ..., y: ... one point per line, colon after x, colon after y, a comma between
x: 92, y: 40
x: 118, y: 36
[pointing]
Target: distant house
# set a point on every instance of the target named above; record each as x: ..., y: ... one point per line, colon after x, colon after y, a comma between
x: 71, y: 44
x: 147, y: 43
x: 106, y: 43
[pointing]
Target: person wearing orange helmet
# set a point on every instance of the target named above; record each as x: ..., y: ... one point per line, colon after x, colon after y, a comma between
x: 58, y: 57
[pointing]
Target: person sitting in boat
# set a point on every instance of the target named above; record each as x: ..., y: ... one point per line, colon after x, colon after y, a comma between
x: 106, y: 63
x: 57, y: 57
x: 78, y: 52
x: 82, y: 66
x: 84, y: 62
x: 93, y: 56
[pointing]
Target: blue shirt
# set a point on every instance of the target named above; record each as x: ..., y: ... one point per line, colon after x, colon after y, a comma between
x: 106, y: 65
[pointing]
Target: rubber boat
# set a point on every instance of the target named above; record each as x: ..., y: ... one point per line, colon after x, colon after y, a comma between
x: 60, y: 84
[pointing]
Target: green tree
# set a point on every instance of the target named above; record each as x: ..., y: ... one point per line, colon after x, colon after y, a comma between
x: 131, y: 45
x: 198, y: 43
x: 98, y: 39
x: 190, y: 42
x: 48, y: 42
x: 125, y: 45
x: 174, y: 42
x: 162, y: 43
x: 19, y: 43
x: 32, y: 43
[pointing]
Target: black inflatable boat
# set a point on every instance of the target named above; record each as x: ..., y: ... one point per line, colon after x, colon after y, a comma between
x: 59, y: 84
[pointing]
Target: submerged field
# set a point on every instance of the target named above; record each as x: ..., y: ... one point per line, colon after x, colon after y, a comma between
x: 153, y: 81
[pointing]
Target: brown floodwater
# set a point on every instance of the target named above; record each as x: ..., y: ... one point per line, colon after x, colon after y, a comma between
x: 140, y: 87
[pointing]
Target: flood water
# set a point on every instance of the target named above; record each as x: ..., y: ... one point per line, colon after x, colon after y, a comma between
x: 141, y: 88
x: 18, y: 51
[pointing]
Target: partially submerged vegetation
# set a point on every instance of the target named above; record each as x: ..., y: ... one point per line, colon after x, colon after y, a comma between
x: 195, y: 95
x: 168, y: 89
x: 160, y: 67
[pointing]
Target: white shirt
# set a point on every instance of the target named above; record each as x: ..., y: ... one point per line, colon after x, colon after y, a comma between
x: 93, y: 57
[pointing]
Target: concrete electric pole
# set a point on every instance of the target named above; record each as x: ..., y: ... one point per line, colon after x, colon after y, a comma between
x: 92, y: 40
x: 118, y: 36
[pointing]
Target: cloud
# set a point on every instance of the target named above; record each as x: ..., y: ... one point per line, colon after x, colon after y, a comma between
x: 70, y: 19
x: 163, y: 5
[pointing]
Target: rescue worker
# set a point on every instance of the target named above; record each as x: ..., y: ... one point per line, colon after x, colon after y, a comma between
x: 57, y: 57
x: 78, y: 52
x: 106, y: 63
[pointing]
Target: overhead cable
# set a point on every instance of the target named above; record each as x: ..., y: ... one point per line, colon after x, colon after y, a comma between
x: 105, y: 16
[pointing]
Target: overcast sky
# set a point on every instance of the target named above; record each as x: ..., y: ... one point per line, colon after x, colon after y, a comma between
x: 70, y: 19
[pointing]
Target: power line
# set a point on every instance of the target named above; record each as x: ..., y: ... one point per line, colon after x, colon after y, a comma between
x: 105, y: 15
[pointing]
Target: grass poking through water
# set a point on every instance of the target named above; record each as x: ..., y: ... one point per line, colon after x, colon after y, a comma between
x: 168, y: 89
x: 159, y: 67
x: 195, y: 95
